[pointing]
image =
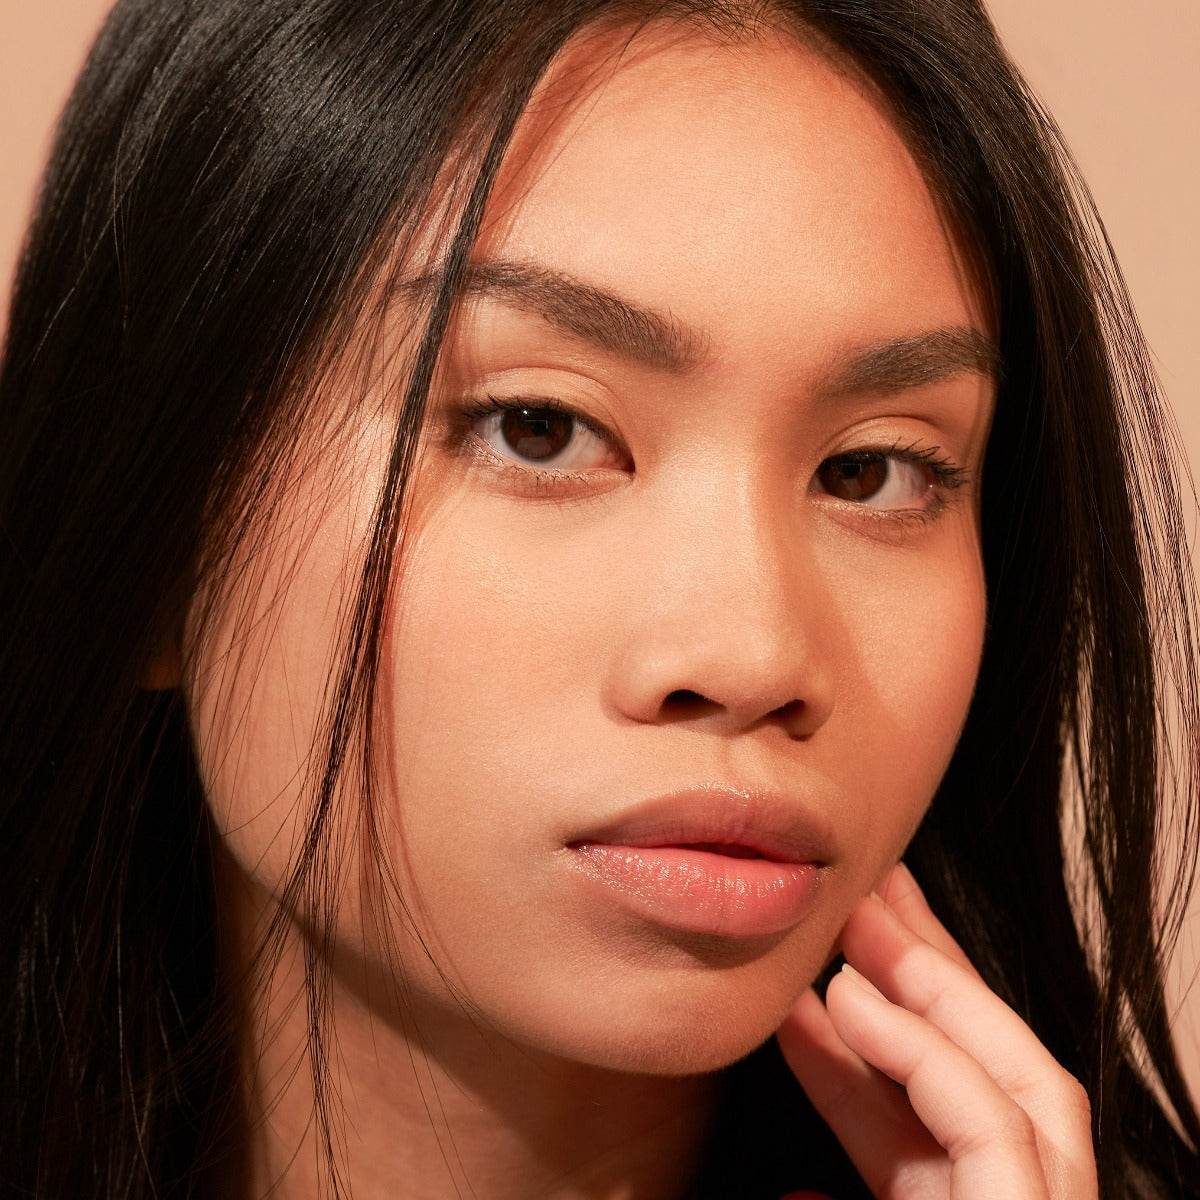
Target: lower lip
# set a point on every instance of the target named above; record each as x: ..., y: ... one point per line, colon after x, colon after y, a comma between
x: 698, y: 891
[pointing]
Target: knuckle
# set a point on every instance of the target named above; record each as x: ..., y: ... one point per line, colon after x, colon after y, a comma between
x: 1016, y: 1130
x: 1074, y: 1098
x: 1058, y: 1097
x: 1010, y: 1130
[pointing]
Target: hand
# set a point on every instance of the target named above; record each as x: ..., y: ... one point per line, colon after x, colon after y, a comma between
x: 984, y: 1109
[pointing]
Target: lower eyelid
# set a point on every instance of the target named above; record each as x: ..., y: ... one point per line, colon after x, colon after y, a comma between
x: 888, y: 525
x: 535, y: 483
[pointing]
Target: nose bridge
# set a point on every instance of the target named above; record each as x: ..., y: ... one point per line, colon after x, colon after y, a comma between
x: 733, y: 607
x: 748, y: 558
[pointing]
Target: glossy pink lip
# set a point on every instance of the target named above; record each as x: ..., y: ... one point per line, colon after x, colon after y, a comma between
x: 715, y: 861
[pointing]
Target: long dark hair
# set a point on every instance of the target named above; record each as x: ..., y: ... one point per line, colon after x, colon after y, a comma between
x: 228, y: 187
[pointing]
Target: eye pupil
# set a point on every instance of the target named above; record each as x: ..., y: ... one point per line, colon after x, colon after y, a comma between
x: 853, y: 478
x: 537, y: 434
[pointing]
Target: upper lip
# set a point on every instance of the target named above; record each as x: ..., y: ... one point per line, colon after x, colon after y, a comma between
x: 770, y: 824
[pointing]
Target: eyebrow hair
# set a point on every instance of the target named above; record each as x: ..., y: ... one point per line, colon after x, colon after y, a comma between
x: 916, y: 360
x: 622, y: 328
x: 659, y: 341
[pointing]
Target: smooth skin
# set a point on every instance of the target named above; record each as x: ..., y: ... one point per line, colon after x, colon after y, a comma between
x: 730, y: 547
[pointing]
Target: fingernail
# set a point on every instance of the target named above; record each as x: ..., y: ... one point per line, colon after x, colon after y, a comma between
x: 862, y: 981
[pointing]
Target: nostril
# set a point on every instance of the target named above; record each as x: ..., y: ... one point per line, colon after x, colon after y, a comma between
x: 790, y: 712
x: 684, y: 703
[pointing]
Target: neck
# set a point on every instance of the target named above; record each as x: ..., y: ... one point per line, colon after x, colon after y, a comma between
x: 425, y: 1102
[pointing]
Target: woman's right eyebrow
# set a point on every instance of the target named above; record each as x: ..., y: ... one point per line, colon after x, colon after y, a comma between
x: 583, y: 310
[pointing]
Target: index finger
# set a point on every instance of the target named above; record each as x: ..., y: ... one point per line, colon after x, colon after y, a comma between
x: 900, y: 891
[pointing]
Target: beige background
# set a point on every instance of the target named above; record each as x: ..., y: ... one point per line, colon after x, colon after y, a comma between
x: 1120, y: 77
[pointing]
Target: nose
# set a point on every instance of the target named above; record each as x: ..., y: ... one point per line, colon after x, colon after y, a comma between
x: 732, y: 633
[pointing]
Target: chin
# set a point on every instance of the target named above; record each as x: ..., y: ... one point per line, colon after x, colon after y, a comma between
x: 678, y: 1050
x: 697, y: 1032
x: 688, y: 1052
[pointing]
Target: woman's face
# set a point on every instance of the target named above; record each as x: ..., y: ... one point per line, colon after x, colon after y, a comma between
x: 691, y: 606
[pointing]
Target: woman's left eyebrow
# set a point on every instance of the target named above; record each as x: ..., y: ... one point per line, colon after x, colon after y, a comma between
x: 915, y: 360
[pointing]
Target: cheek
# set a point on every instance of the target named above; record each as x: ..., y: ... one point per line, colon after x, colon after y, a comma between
x: 914, y: 630
x: 255, y: 697
x: 486, y: 650
x: 263, y: 668
x: 491, y: 628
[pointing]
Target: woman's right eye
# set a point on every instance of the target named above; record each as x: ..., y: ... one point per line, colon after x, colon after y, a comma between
x: 544, y: 437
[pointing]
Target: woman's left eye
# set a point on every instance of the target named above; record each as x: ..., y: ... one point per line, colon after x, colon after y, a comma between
x: 886, y: 480
x: 544, y: 436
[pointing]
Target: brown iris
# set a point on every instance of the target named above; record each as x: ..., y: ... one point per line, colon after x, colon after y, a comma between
x: 853, y: 479
x: 537, y: 434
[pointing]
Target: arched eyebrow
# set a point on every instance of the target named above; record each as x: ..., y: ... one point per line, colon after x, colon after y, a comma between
x: 915, y: 360
x: 657, y: 340
x: 582, y: 310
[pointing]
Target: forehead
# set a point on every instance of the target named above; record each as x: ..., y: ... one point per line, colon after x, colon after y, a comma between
x: 730, y: 183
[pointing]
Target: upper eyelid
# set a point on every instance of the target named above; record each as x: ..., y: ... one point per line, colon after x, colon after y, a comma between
x: 471, y: 412
x: 949, y: 473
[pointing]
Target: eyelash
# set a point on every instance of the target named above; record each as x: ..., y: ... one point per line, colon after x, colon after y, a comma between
x: 947, y: 475
x: 490, y: 405
x: 471, y: 413
x: 944, y: 471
